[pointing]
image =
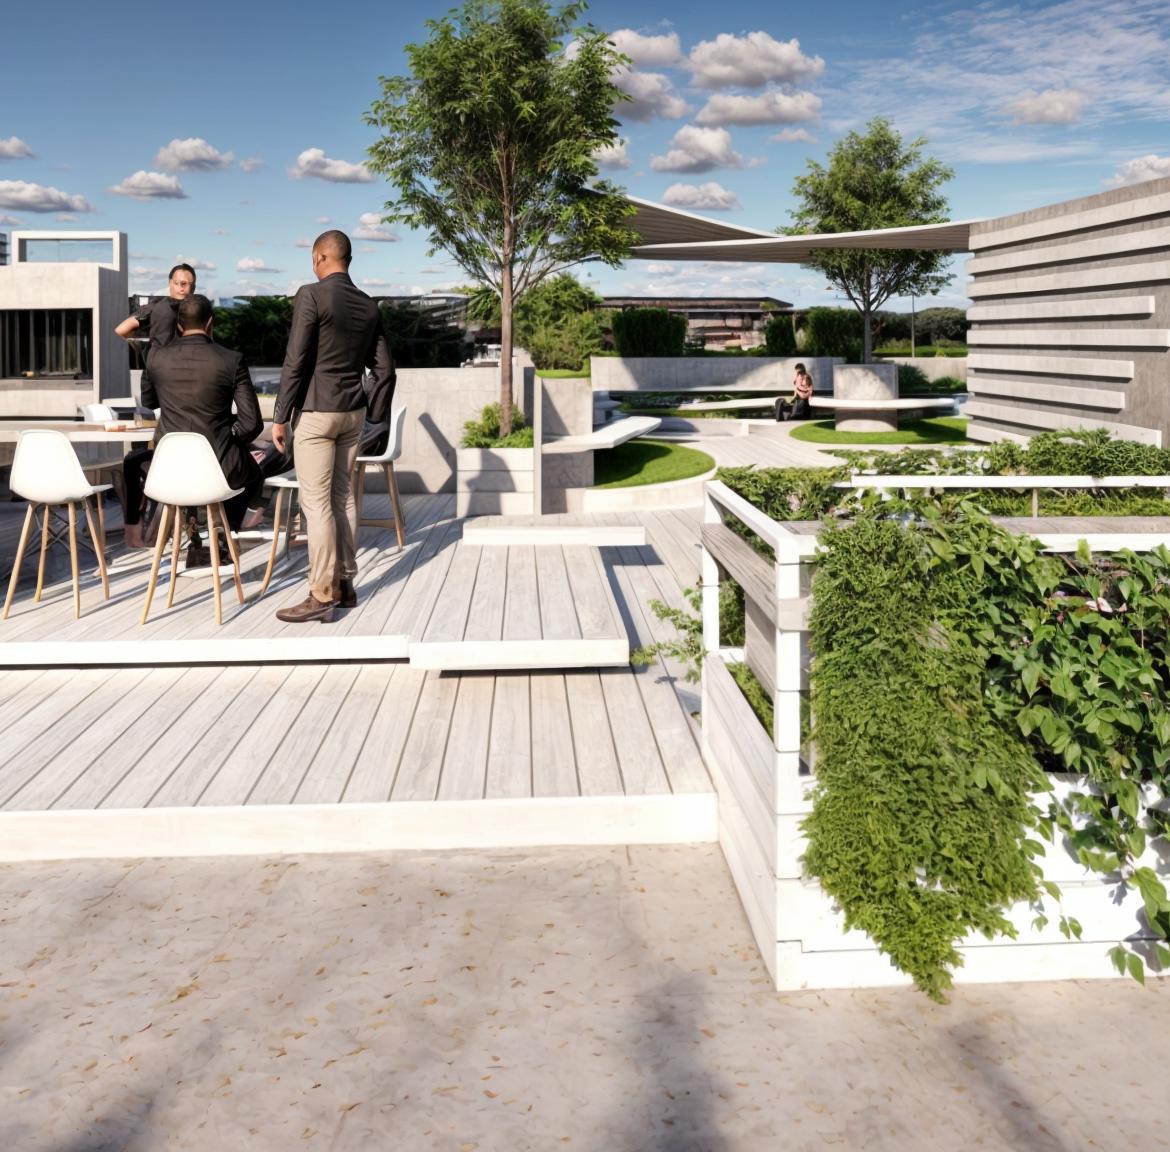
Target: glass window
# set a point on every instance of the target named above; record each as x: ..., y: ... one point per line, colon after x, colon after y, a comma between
x: 44, y: 343
x: 68, y: 251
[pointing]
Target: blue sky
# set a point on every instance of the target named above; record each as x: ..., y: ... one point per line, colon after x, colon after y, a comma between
x: 130, y: 115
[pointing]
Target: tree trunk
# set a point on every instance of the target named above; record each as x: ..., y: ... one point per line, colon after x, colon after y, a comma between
x: 506, y: 349
x: 867, y: 334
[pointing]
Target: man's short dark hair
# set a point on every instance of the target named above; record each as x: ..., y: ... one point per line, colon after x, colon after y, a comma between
x: 194, y: 312
x: 181, y: 268
x: 335, y: 244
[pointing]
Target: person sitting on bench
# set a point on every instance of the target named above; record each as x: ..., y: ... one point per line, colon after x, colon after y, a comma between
x: 194, y: 382
x: 798, y: 408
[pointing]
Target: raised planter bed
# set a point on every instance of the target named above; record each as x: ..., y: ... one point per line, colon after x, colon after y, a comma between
x: 764, y: 783
x: 493, y: 480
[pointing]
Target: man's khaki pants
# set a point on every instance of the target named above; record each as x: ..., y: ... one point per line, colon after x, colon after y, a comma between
x: 326, y: 447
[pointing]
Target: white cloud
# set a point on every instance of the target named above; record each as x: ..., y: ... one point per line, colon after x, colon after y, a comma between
x: 324, y: 220
x: 255, y: 287
x: 757, y: 161
x: 379, y: 284
x: 367, y: 248
x: 660, y: 269
x: 15, y: 149
x: 710, y: 197
x: 304, y: 242
x: 370, y: 227
x: 257, y: 241
x: 313, y: 162
x: 1054, y: 106
x: 202, y: 265
x: 144, y: 256
x: 751, y: 61
x: 66, y: 218
x: 220, y: 232
x: 192, y: 155
x: 149, y: 186
x: 770, y: 107
x: 698, y: 150
x: 655, y: 51
x: 254, y: 264
x: 1140, y: 169
x: 149, y: 275
x: 651, y: 94
x: 10, y: 221
x: 251, y: 163
x: 791, y: 136
x: 25, y: 197
x: 612, y: 156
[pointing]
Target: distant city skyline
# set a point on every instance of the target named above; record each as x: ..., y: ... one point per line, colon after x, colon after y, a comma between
x: 230, y: 140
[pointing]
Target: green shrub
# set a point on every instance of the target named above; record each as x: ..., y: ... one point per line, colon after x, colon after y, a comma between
x: 566, y: 343
x: 485, y: 432
x: 912, y: 379
x: 755, y: 694
x: 780, y: 336
x: 834, y: 332
x: 649, y: 332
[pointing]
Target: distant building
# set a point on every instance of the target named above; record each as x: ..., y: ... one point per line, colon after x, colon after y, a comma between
x: 719, y: 321
x: 447, y: 308
x: 61, y: 296
x: 3, y: 248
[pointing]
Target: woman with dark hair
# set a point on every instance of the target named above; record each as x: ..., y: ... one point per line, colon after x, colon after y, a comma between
x: 157, y: 319
x: 798, y: 408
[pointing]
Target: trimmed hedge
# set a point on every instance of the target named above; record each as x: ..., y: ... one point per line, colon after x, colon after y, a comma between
x: 780, y: 336
x: 649, y: 332
x: 834, y: 332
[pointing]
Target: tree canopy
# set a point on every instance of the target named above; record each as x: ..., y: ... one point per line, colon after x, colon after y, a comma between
x: 489, y: 143
x: 874, y: 181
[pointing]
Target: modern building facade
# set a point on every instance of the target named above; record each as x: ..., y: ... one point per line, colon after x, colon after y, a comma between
x: 717, y: 321
x: 1071, y: 318
x: 61, y: 296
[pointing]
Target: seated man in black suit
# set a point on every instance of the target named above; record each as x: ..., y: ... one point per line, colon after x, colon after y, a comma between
x: 194, y: 382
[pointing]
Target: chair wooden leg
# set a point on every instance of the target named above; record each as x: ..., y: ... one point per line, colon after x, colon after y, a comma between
x: 275, y: 539
x: 233, y: 550
x: 161, y: 543
x: 176, y: 549
x: 358, y: 487
x: 73, y: 559
x: 213, y: 544
x: 101, y: 511
x: 44, y: 551
x: 101, y: 555
x: 24, y: 532
x: 396, y: 502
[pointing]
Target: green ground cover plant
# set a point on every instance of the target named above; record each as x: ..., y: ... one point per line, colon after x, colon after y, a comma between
x: 485, y: 432
x: 642, y: 461
x: 932, y: 430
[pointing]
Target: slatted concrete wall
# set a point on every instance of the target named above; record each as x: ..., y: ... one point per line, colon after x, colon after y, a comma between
x: 1071, y: 318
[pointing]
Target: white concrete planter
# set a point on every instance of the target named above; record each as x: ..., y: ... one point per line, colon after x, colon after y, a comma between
x: 644, y: 498
x: 493, y: 480
x: 763, y: 797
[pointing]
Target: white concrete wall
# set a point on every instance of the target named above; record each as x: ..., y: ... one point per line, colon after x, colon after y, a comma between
x: 935, y: 367
x: 707, y: 373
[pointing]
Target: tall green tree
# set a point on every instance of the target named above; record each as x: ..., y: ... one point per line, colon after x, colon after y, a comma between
x: 490, y: 145
x: 874, y: 181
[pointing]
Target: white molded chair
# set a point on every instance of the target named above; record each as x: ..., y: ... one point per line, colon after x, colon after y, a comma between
x: 46, y: 471
x: 285, y: 482
x: 386, y: 461
x: 185, y: 471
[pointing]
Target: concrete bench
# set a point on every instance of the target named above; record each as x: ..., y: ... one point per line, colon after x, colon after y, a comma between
x: 609, y: 435
x: 866, y: 415
x: 1035, y: 483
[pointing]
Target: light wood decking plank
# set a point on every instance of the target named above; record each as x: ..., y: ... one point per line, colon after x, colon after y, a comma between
x: 597, y: 764
x: 306, y: 735
x: 522, y: 607
x: 465, y: 762
x: 642, y: 770
x: 558, y: 615
x: 554, y: 764
x: 485, y: 619
x: 422, y: 757
x: 597, y: 613
x: 509, y: 772
x: 250, y: 756
x: 373, y: 774
x: 450, y: 614
x: 413, y: 609
x: 328, y: 774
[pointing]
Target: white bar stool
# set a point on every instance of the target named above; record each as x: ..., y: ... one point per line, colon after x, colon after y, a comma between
x: 386, y: 461
x: 285, y: 482
x: 185, y: 471
x: 46, y: 471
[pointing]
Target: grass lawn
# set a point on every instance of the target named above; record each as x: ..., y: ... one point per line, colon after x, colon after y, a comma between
x: 640, y: 462
x: 582, y: 373
x: 934, y: 430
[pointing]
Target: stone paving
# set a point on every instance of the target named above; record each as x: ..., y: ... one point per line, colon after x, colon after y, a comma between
x: 602, y: 999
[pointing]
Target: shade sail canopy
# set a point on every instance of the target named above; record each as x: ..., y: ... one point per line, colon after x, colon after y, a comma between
x: 668, y: 234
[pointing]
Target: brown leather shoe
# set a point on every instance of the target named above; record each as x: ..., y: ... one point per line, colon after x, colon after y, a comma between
x: 309, y: 609
x: 347, y: 597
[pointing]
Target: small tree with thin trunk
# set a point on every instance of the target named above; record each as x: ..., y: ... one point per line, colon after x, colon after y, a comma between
x: 490, y: 143
x: 874, y: 181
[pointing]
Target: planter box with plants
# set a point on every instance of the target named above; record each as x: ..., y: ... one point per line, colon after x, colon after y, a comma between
x: 968, y: 775
x: 494, y: 474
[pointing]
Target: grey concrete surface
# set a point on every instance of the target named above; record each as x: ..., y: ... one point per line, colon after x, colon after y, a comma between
x: 604, y: 999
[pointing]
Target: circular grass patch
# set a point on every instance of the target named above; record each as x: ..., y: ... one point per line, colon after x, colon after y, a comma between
x: 640, y: 462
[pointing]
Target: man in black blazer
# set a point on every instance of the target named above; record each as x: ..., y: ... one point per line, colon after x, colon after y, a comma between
x: 195, y: 382
x: 336, y: 339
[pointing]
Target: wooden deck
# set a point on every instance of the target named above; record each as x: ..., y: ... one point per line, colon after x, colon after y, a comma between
x: 440, y: 602
x: 307, y: 755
